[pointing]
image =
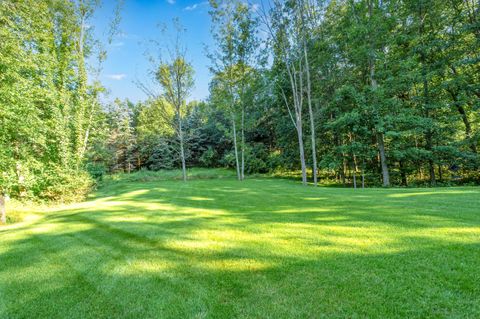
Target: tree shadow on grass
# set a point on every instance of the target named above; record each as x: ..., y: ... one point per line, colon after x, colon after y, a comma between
x: 166, y: 254
x: 267, y: 201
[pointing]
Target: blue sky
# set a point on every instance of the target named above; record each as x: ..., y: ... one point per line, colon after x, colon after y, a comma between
x: 126, y: 61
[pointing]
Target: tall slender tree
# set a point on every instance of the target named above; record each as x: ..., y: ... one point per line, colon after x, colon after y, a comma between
x: 234, y: 30
x: 176, y: 80
x: 283, y: 20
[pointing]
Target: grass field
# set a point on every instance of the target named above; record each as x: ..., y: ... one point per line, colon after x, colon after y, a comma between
x: 263, y: 248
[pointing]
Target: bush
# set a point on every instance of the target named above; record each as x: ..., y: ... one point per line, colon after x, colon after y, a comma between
x: 164, y: 175
x: 96, y: 170
x: 162, y: 156
x: 65, y: 185
x: 208, y: 157
x: 274, y: 161
x: 256, y: 159
x: 228, y: 159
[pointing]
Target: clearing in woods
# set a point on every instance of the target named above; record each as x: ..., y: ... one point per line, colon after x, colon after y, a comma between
x: 263, y: 248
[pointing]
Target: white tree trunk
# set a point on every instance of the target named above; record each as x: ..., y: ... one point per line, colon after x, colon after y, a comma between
x: 297, y: 87
x: 87, y: 132
x: 380, y: 137
x: 354, y: 178
x: 182, y: 150
x: 312, y: 121
x: 235, y: 146
x: 302, y: 152
x: 242, y: 175
x: 383, y: 160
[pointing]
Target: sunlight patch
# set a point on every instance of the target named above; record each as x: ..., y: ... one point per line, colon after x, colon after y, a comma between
x: 138, y: 266
x: 425, y: 193
x: 197, y: 198
x: 314, y: 198
x: 136, y: 193
x: 125, y: 218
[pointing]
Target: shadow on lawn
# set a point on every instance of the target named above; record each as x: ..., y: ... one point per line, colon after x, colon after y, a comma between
x: 407, y: 208
x: 165, y: 253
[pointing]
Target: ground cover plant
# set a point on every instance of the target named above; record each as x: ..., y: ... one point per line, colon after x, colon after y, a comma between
x: 263, y: 248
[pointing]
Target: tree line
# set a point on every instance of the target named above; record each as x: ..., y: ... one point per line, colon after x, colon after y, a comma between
x: 384, y: 90
x: 367, y: 92
x: 49, y: 96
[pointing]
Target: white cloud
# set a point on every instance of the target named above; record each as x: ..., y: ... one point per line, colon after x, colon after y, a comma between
x: 171, y: 1
x: 118, y: 44
x: 195, y: 6
x: 117, y: 77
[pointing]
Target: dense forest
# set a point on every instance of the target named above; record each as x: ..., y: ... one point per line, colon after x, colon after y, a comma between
x: 354, y: 92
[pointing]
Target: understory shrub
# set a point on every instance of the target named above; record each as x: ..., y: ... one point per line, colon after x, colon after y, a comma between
x: 208, y: 158
x: 65, y: 185
x: 96, y: 170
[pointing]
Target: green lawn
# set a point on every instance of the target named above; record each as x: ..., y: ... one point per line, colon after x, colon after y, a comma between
x: 263, y: 248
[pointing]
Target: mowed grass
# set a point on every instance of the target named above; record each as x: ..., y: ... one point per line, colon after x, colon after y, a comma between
x: 262, y: 248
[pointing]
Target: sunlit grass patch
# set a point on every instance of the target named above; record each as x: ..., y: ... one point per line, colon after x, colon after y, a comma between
x: 263, y: 248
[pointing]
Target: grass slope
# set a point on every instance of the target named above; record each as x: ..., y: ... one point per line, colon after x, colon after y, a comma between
x: 264, y: 248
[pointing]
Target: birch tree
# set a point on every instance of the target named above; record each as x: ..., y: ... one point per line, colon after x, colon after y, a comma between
x: 283, y: 22
x: 309, y: 15
x: 372, y: 43
x: 234, y: 30
x: 176, y: 79
x: 87, y: 103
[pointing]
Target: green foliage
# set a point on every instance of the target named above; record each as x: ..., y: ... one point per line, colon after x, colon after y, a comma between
x: 164, y: 175
x: 47, y: 107
x: 393, y: 78
x: 65, y: 185
x: 208, y: 157
x: 96, y: 170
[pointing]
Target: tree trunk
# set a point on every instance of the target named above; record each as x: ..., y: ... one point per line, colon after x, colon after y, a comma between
x: 237, y: 164
x: 87, y: 133
x: 302, y: 152
x: 81, y: 107
x: 380, y: 141
x: 426, y: 103
x: 468, y: 128
x: 383, y: 160
x: 354, y: 164
x: 182, y: 151
x: 463, y: 114
x: 312, y: 121
x: 3, y: 209
x: 374, y: 84
x: 243, y: 145
x: 184, y: 166
x: 431, y: 164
